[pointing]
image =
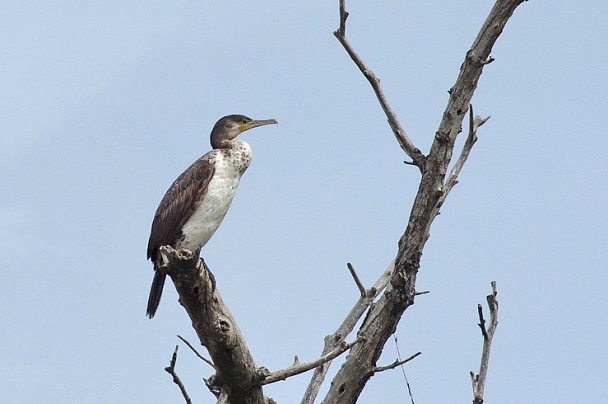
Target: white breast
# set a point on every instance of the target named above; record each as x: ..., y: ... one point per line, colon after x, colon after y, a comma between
x: 230, y: 164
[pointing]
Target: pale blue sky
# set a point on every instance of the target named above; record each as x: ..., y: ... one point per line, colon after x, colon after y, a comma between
x: 103, y: 105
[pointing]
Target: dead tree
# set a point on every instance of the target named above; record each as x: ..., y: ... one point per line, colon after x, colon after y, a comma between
x: 238, y: 379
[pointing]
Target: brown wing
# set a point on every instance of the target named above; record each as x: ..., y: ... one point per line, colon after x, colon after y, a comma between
x: 179, y: 203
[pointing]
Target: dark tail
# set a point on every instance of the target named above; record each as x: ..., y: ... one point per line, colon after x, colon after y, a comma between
x: 156, y: 292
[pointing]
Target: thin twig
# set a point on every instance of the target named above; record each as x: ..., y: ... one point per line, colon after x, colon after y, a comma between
x: 395, y: 364
x: 171, y: 370
x: 407, y: 382
x: 357, y: 280
x: 478, y: 381
x: 404, y: 141
x: 298, y: 368
x: 196, y: 352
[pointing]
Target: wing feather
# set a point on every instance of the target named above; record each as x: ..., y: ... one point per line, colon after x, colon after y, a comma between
x: 179, y: 203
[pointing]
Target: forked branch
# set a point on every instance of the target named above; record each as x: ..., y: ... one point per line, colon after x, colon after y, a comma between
x: 384, y: 315
x: 479, y: 381
x: 171, y: 370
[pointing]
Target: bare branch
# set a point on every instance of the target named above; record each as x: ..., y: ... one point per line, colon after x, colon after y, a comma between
x: 343, y: 17
x: 357, y: 280
x: 171, y: 370
x: 333, y: 341
x: 384, y: 315
x: 298, y: 368
x: 474, y: 123
x: 418, y: 159
x: 394, y: 364
x: 237, y: 377
x: 479, y: 381
x: 196, y: 352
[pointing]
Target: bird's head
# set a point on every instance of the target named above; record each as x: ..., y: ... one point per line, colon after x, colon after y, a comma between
x: 229, y: 127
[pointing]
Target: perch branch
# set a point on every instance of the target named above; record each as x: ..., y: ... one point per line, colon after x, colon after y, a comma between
x: 418, y: 159
x: 479, y: 381
x: 171, y: 370
x: 237, y: 378
x: 298, y: 368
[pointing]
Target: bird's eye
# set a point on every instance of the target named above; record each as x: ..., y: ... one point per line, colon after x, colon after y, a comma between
x: 244, y: 121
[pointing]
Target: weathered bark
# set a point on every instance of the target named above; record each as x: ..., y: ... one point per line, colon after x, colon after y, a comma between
x: 384, y: 315
x: 237, y: 378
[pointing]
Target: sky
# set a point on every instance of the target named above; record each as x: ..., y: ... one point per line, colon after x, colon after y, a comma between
x: 104, y: 104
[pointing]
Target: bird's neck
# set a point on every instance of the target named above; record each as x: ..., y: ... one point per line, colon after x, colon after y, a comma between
x: 220, y: 143
x: 237, y: 155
